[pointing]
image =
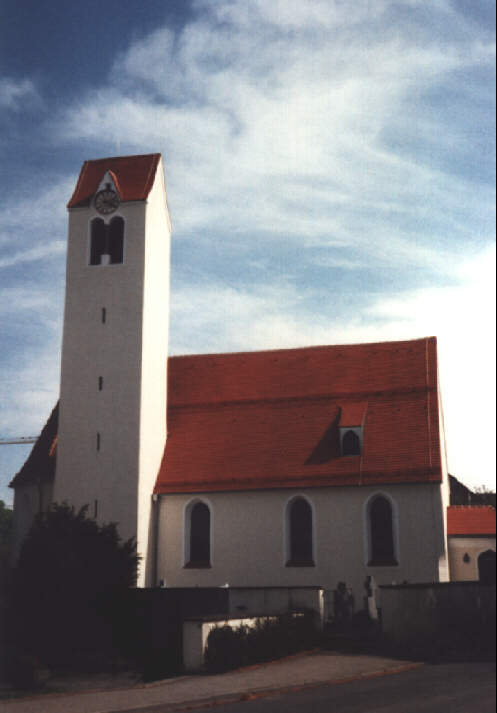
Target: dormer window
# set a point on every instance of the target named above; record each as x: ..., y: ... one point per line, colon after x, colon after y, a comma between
x: 351, y: 427
x: 351, y: 443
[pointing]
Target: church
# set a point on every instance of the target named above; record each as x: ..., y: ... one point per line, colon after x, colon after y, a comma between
x: 294, y: 467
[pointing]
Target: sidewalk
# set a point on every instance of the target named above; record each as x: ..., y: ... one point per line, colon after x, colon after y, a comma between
x: 305, y: 670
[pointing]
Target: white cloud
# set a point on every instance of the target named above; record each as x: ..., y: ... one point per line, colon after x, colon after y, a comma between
x: 56, y: 247
x: 267, y: 126
x: 15, y: 95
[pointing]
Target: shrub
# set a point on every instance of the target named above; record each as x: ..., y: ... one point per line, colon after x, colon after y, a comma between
x: 70, y: 572
x: 270, y: 638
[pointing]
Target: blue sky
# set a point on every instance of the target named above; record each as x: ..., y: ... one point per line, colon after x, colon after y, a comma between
x: 330, y: 170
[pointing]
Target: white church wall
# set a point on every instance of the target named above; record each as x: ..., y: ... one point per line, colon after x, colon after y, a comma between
x: 97, y: 448
x: 463, y: 556
x: 444, y: 564
x: 29, y: 500
x: 248, y: 539
x: 153, y: 404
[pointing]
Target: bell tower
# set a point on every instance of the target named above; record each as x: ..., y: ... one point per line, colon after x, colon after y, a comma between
x: 112, y: 421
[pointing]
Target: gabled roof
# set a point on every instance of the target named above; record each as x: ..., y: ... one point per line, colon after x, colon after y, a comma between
x: 470, y: 520
x: 271, y: 419
x: 133, y: 176
x: 260, y: 420
x: 40, y: 464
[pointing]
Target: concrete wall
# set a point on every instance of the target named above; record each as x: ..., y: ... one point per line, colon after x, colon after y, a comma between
x: 436, y: 614
x: 195, y: 635
x: 461, y: 571
x: 252, y: 604
x: 276, y: 601
x: 248, y: 538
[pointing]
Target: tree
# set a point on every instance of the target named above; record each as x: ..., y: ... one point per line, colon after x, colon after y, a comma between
x: 5, y: 524
x: 69, y: 573
x: 483, y: 496
x: 6, y: 521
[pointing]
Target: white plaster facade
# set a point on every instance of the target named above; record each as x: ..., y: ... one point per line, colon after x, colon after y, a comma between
x: 248, y: 538
x: 29, y: 500
x: 112, y: 421
x: 464, y: 553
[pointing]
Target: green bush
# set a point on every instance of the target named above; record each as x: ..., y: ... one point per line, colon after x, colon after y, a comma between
x: 69, y: 574
x: 269, y: 639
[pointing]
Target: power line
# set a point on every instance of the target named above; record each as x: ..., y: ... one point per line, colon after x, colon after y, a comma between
x: 18, y: 440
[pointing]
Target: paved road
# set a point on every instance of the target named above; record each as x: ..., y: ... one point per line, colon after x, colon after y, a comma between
x: 444, y: 688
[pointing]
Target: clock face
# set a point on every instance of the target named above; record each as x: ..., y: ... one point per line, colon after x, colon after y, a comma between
x: 106, y: 201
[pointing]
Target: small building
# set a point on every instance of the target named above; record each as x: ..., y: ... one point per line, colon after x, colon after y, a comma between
x: 471, y: 536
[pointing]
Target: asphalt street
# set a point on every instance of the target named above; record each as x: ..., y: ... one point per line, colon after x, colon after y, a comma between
x: 443, y: 688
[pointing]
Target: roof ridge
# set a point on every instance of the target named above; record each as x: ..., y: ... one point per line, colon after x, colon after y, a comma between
x: 314, y: 347
x: 471, y: 507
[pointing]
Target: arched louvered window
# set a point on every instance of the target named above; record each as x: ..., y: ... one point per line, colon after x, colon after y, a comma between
x: 198, y: 534
x: 116, y: 240
x: 106, y: 241
x: 351, y: 444
x: 381, y: 533
x: 300, y: 534
x: 98, y: 239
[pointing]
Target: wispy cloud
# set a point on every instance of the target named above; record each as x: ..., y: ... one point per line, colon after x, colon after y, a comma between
x: 17, y: 94
x: 258, y: 116
x: 56, y: 247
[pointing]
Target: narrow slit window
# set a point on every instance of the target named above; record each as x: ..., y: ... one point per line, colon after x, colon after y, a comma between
x: 100, y: 383
x: 104, y: 315
x: 98, y: 441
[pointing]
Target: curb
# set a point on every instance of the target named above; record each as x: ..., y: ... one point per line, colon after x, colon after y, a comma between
x: 230, y: 698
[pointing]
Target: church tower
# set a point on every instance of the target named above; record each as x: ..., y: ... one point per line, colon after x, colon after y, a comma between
x: 112, y: 421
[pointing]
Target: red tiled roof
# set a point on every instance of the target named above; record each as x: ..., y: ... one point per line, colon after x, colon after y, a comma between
x: 133, y: 176
x: 470, y: 520
x: 270, y: 419
x: 352, y: 413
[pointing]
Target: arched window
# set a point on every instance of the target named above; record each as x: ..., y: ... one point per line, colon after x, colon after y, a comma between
x: 98, y: 239
x: 198, y: 534
x: 351, y: 444
x: 300, y: 535
x: 106, y: 241
x: 381, y: 533
x: 116, y: 240
x: 486, y: 567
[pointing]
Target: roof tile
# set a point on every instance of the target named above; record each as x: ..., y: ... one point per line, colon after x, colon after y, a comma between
x: 270, y: 419
x: 470, y: 520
